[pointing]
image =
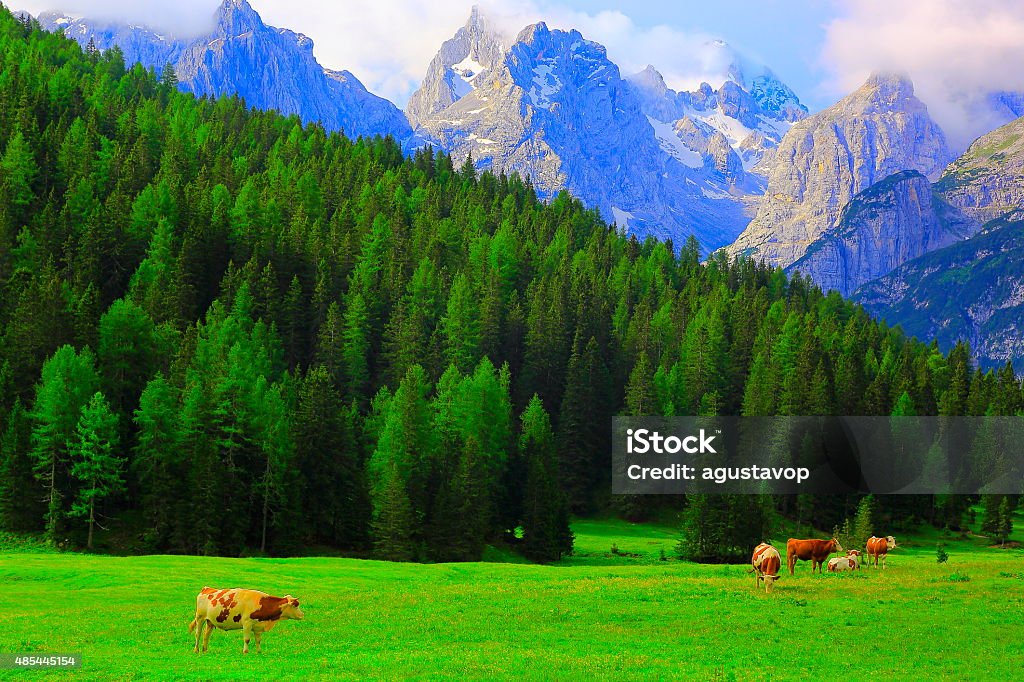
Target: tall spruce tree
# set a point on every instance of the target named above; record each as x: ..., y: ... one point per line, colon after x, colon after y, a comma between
x: 94, y: 460
x: 393, y: 520
x: 546, y: 532
x: 68, y: 381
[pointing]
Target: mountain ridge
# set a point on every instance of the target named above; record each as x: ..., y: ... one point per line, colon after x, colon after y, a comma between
x: 241, y: 55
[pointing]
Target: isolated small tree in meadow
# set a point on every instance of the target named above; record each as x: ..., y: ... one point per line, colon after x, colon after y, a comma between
x: 1005, y: 521
x: 93, y: 462
x: 724, y: 528
x: 863, y: 522
x: 941, y: 556
x: 845, y: 534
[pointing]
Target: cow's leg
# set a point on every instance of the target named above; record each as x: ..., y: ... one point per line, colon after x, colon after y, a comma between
x: 883, y: 562
x: 246, y: 635
x: 257, y: 634
x: 199, y: 623
x: 206, y: 637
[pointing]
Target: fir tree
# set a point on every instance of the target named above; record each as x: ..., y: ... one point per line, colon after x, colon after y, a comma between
x: 393, y: 523
x: 992, y: 520
x: 863, y: 523
x: 546, y: 532
x: 1005, y: 521
x: 68, y: 379
x: 95, y: 464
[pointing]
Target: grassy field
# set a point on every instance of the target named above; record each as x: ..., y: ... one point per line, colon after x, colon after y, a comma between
x: 600, y: 615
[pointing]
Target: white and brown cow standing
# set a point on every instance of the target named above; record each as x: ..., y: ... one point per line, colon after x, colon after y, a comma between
x: 766, y: 562
x: 250, y: 611
x: 879, y: 547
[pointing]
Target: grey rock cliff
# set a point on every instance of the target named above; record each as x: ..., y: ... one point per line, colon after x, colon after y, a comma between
x: 886, y: 225
x: 987, y: 181
x: 827, y: 158
x: 969, y: 291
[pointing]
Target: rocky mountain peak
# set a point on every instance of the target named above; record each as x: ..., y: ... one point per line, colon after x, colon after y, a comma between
x: 479, y: 28
x: 987, y: 180
x: 885, y: 91
x: 825, y: 159
x: 531, y: 33
x: 236, y: 17
x: 651, y: 80
x: 462, y: 64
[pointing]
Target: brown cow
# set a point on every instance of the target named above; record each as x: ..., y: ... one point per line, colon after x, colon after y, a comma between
x: 879, y: 547
x: 250, y: 611
x: 766, y: 562
x: 815, y: 551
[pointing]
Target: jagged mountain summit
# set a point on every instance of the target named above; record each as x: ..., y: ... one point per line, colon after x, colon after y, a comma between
x: 751, y: 116
x: 460, y: 65
x: 550, y: 104
x: 272, y: 68
x: 824, y: 160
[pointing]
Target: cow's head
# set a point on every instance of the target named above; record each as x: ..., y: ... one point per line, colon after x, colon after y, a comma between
x: 890, y: 542
x: 853, y: 552
x: 836, y: 546
x: 769, y: 582
x: 290, y: 608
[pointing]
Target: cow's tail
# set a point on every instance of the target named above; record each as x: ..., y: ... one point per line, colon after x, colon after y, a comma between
x: 192, y: 625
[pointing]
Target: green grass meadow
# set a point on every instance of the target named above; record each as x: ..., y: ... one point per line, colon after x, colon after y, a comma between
x: 598, y: 615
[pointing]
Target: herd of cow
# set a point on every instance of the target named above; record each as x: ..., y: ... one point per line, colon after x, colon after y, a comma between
x: 255, y: 612
x: 767, y: 561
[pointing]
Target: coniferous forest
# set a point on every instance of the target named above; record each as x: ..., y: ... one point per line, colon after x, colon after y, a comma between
x: 225, y: 332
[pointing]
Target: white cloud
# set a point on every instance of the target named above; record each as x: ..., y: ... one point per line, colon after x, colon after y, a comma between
x: 956, y: 52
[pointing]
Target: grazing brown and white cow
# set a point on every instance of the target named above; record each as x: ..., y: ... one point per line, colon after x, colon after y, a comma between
x: 767, y: 562
x: 815, y: 551
x: 250, y: 611
x: 879, y: 547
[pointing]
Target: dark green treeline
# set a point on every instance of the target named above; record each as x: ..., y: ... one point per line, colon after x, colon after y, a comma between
x: 227, y: 331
